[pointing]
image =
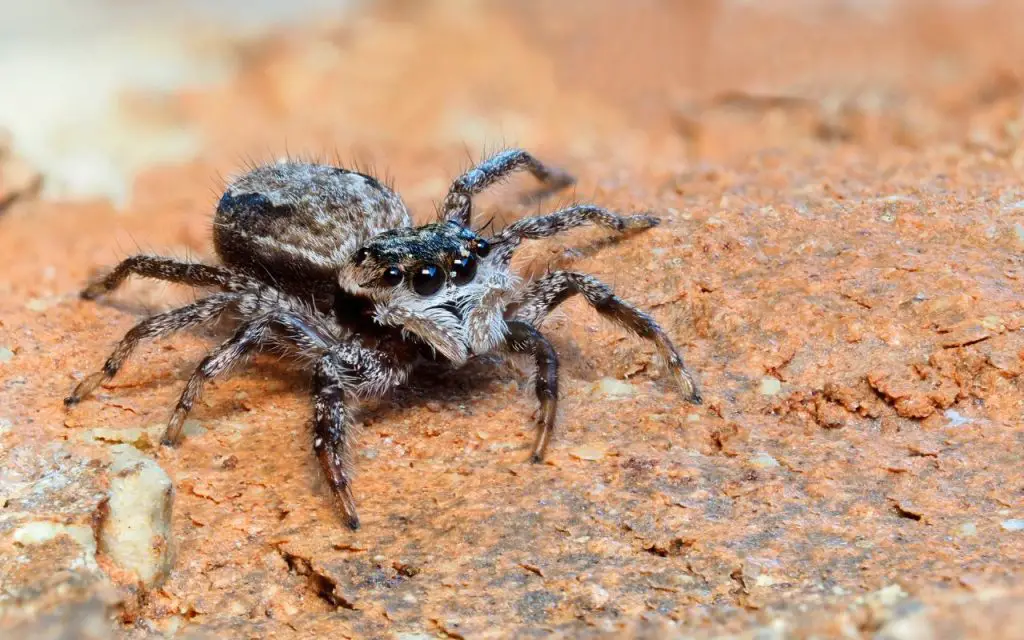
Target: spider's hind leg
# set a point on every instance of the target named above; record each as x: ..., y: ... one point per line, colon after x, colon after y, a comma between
x: 249, y: 336
x: 198, y: 313
x: 169, y: 269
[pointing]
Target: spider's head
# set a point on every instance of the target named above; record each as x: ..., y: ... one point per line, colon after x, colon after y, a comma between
x: 426, y: 279
x: 431, y: 261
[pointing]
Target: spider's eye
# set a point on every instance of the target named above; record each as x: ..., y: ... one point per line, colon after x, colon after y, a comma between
x: 482, y: 247
x: 392, y: 277
x: 427, y: 280
x: 360, y: 256
x: 463, y: 269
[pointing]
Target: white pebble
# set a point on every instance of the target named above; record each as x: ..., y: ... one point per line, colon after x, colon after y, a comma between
x: 770, y: 386
x: 1014, y: 524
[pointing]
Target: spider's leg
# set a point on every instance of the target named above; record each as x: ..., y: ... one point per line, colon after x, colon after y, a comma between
x: 525, y: 338
x: 506, y: 242
x: 195, y: 314
x: 542, y: 296
x: 458, y: 204
x: 347, y: 370
x: 332, y: 429
x: 169, y: 269
x: 297, y: 331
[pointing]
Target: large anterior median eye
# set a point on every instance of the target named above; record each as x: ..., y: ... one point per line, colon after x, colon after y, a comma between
x: 463, y: 269
x: 427, y: 279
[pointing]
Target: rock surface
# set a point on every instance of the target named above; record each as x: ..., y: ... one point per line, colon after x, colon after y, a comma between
x: 839, y: 261
x: 136, y: 530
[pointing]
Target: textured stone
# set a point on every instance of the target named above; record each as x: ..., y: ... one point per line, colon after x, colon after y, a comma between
x: 136, y: 532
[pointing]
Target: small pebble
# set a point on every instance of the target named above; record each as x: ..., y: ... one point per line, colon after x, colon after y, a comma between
x: 588, y: 452
x: 955, y: 418
x: 968, y: 529
x: 136, y: 534
x: 764, y: 461
x: 770, y: 386
x: 1013, y: 524
x: 613, y: 388
x: 37, y: 304
x: 5, y: 355
x: 597, y: 596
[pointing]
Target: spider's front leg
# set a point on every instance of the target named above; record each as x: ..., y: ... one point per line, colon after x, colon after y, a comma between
x: 524, y: 338
x: 458, y: 204
x: 347, y: 371
x: 542, y: 296
x: 536, y: 227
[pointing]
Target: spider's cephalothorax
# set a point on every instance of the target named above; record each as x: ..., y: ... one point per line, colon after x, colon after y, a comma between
x: 325, y: 263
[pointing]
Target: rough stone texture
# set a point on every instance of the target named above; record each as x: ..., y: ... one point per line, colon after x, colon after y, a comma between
x: 80, y: 532
x: 839, y: 260
x: 136, y: 531
x: 52, y: 501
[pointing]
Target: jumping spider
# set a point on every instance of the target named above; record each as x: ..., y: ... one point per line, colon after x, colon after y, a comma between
x: 326, y: 263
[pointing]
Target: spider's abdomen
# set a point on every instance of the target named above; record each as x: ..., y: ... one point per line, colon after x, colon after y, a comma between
x: 294, y: 223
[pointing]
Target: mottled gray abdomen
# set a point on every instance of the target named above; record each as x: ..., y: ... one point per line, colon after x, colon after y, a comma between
x: 295, y: 222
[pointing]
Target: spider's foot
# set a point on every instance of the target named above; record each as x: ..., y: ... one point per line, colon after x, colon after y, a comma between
x: 555, y: 181
x: 639, y: 222
x: 348, y: 505
x: 545, y: 427
x: 559, y: 179
x: 687, y: 385
x: 84, y: 388
x: 93, y: 291
x: 175, y: 429
x: 333, y: 467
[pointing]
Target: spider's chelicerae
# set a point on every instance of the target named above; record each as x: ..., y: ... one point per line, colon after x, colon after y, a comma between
x: 326, y: 263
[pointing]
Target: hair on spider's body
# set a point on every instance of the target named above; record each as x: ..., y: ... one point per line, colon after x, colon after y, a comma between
x: 324, y: 263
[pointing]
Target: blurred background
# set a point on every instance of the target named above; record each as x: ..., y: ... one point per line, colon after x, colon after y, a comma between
x: 94, y: 92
